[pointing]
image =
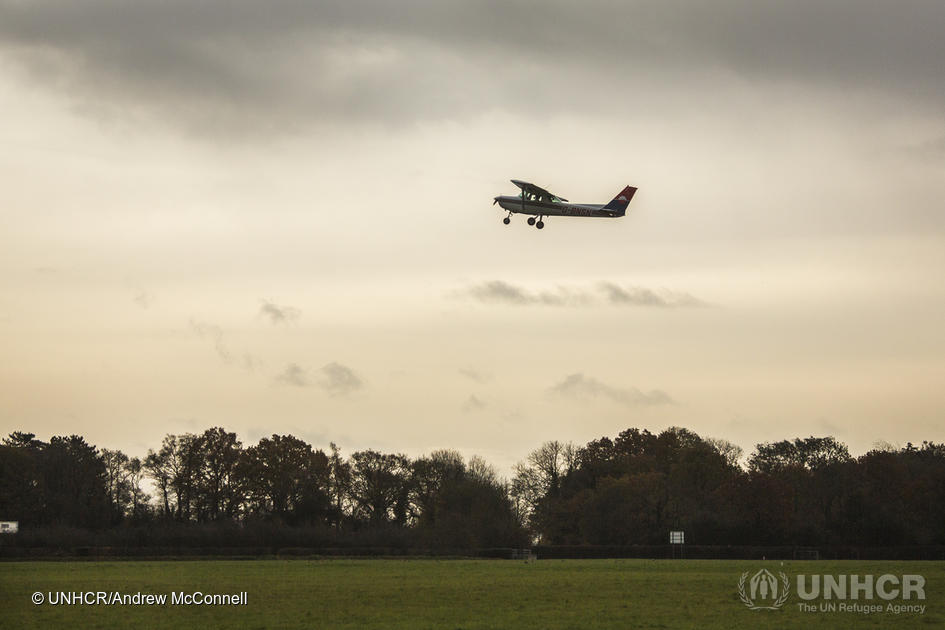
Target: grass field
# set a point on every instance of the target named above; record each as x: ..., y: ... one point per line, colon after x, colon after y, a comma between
x: 454, y: 594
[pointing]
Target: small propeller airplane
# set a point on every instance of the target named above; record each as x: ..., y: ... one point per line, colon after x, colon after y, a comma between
x: 540, y: 203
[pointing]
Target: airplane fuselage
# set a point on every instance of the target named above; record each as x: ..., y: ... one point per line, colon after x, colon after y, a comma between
x: 540, y: 203
x: 515, y: 203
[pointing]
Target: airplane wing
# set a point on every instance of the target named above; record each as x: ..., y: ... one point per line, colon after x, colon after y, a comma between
x: 529, y: 188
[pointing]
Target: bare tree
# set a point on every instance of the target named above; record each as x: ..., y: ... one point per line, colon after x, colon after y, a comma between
x: 116, y: 480
x: 221, y: 488
x: 140, y: 500
x: 175, y: 468
x: 540, y: 474
x: 158, y: 467
x: 339, y: 484
x: 482, y: 471
x: 730, y: 451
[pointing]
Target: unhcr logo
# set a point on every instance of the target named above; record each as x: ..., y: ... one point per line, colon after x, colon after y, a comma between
x: 897, y: 594
x: 764, y: 591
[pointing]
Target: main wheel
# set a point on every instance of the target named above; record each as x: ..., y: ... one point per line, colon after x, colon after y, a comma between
x: 531, y: 220
x: 540, y: 225
x: 506, y: 220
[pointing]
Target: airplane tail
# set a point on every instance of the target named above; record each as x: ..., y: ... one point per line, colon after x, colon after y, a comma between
x: 619, y: 203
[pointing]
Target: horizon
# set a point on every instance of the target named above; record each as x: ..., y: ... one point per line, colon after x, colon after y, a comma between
x: 742, y: 461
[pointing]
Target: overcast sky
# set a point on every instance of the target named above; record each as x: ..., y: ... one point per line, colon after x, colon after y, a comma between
x: 277, y: 218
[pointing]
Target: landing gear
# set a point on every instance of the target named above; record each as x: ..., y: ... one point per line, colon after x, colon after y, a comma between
x: 506, y: 220
x: 531, y: 220
x: 540, y: 225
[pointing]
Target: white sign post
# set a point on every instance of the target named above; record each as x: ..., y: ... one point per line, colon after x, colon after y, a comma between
x: 677, y: 539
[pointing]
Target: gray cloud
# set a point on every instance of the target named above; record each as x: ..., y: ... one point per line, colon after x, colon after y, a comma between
x: 500, y: 292
x: 580, y: 387
x: 473, y: 404
x: 293, y: 375
x: 475, y: 375
x: 250, y: 362
x: 639, y: 296
x: 279, y: 314
x: 144, y: 299
x: 214, y: 333
x: 334, y: 378
x: 338, y: 379
x: 228, y: 63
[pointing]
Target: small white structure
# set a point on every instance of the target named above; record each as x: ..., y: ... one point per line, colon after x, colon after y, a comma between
x: 9, y: 527
x: 677, y: 540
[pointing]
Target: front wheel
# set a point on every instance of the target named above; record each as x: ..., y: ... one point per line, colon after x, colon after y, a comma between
x: 540, y: 225
x: 506, y: 220
x: 531, y: 220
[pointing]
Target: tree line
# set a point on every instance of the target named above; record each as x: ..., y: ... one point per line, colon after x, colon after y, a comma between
x: 628, y: 490
x: 211, y: 478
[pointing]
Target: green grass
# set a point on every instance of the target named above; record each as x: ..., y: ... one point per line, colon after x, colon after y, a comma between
x: 454, y: 594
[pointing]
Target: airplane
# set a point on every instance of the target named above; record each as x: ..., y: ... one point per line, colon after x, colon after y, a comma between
x: 537, y: 201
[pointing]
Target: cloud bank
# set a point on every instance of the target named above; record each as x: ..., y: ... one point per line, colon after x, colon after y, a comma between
x: 579, y: 387
x: 501, y: 292
x: 334, y: 378
x: 283, y: 64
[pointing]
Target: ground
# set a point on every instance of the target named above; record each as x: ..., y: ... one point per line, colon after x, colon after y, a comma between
x: 454, y: 594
